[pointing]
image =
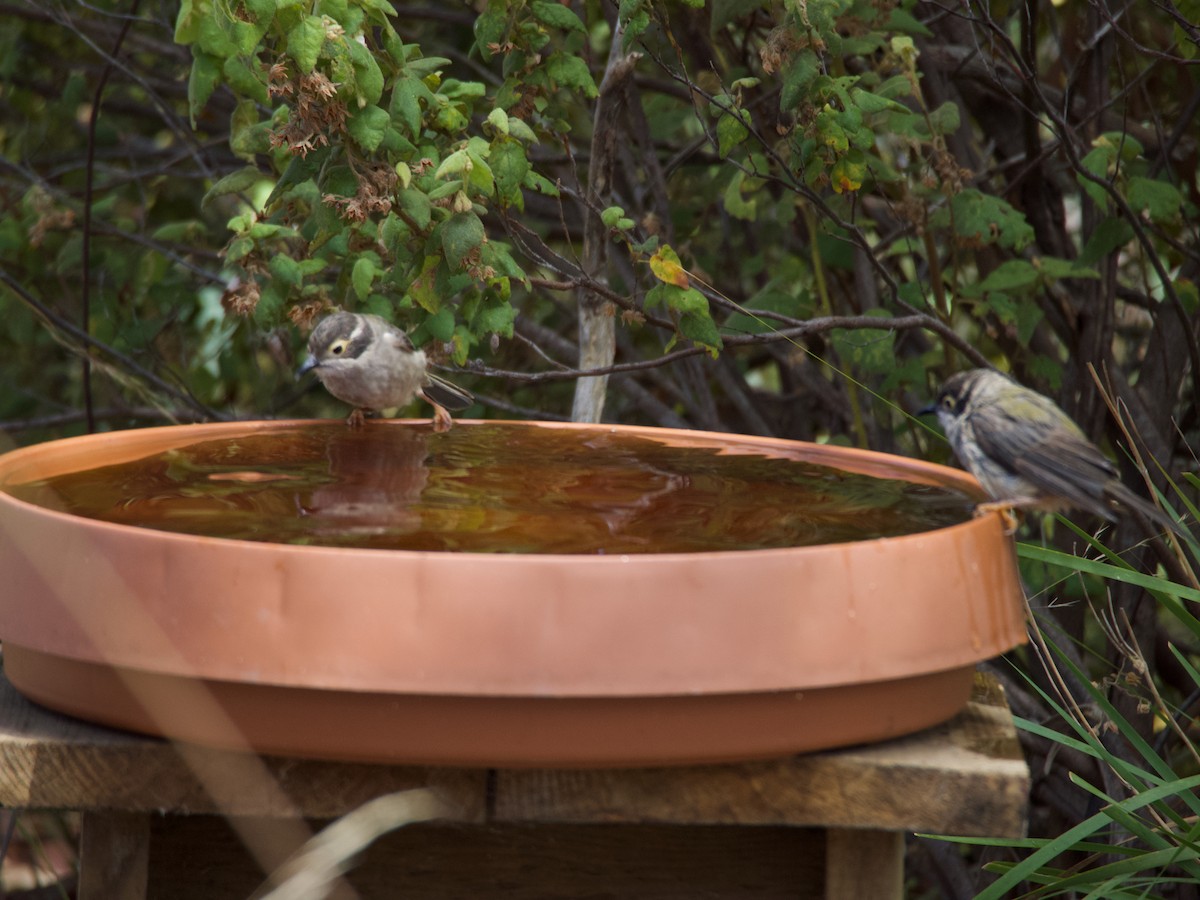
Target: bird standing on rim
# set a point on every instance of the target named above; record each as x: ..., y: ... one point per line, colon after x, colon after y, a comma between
x: 1027, y: 453
x: 368, y: 362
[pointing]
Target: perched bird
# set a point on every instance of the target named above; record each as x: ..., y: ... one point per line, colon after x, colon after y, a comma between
x: 370, y: 363
x: 1027, y: 453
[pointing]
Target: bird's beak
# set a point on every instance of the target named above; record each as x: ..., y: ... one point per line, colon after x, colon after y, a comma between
x: 927, y: 410
x: 307, y: 366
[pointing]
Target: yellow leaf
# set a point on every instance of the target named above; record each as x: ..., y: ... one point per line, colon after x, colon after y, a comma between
x: 666, y: 267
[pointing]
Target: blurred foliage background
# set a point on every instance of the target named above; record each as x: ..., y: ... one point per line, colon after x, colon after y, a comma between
x: 782, y: 218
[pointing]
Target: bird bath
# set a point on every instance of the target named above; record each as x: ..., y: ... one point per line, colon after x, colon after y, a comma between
x: 505, y: 593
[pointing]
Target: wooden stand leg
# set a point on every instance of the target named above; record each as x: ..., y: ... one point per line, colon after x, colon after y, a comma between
x: 114, y: 856
x: 862, y: 863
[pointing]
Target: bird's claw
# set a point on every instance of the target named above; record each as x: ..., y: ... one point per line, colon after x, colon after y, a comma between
x: 1008, y: 514
x: 441, y: 420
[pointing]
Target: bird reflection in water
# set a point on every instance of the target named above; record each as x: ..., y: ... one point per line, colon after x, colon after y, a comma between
x: 378, y: 476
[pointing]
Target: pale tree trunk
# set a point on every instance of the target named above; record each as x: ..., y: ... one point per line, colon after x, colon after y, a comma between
x: 597, y: 320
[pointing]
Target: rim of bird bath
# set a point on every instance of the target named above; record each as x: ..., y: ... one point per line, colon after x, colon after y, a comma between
x: 498, y: 659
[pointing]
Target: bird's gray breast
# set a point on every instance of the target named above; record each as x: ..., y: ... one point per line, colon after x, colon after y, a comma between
x: 375, y: 380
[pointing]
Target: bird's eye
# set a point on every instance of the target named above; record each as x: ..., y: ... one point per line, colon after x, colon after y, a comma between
x: 947, y: 403
x: 337, y: 347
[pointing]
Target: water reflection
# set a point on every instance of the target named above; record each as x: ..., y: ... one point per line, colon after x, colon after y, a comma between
x: 376, y: 479
x: 496, y: 488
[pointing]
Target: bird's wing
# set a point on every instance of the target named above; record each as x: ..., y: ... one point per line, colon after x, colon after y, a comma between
x: 443, y: 393
x: 398, y: 338
x: 1040, y: 444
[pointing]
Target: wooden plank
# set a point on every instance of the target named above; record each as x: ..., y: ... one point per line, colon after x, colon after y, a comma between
x: 201, y: 858
x: 862, y: 863
x: 965, y: 777
x: 114, y: 853
x: 51, y: 761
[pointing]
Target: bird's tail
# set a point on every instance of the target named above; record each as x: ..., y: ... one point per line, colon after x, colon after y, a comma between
x: 1144, y: 508
x: 442, y: 393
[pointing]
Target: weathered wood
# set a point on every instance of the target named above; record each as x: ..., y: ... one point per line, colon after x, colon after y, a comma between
x: 201, y: 858
x: 965, y: 777
x: 548, y: 832
x: 114, y: 854
x: 51, y: 761
x: 861, y: 863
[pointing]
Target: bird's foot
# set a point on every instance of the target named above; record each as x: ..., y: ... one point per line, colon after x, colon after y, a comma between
x: 441, y: 419
x: 1009, y: 513
x: 357, y: 418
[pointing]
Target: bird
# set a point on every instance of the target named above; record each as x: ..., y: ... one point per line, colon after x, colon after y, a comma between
x: 1028, y: 454
x: 371, y: 364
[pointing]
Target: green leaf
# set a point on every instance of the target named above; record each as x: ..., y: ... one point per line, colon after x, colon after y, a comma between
x: 368, y: 75
x: 286, y: 270
x: 405, y: 106
x: 571, y: 72
x: 426, y: 65
x: 636, y: 17
x: 984, y: 219
x: 423, y: 289
x: 556, y: 16
x: 801, y: 72
x: 245, y: 80
x: 461, y: 234
x: 867, y: 349
x: 335, y: 9
x: 701, y: 329
x: 731, y: 130
x: 870, y: 102
x: 233, y: 183
x: 666, y: 267
x: 440, y: 325
x: 535, y: 181
x: 304, y: 43
x: 1022, y: 313
x: 498, y: 119
x: 383, y: 8
x: 611, y: 215
x: 454, y: 164
x: 509, y: 167
x: 1157, y: 199
x: 190, y: 231
x: 735, y: 201
x: 1053, y: 267
x: 299, y: 170
x: 202, y: 81
x: 849, y: 172
x: 497, y: 318
x: 1110, y: 235
x: 1098, y: 160
x: 945, y: 118
x: 725, y: 12
x: 491, y: 27
x: 215, y: 35
x: 263, y: 230
x: 269, y: 309
x: 367, y: 127
x: 480, y: 176
x: 362, y: 276
x: 416, y: 207
x: 903, y: 21
x: 1010, y: 276
x: 187, y: 22
x: 695, y: 321
x: 247, y: 135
